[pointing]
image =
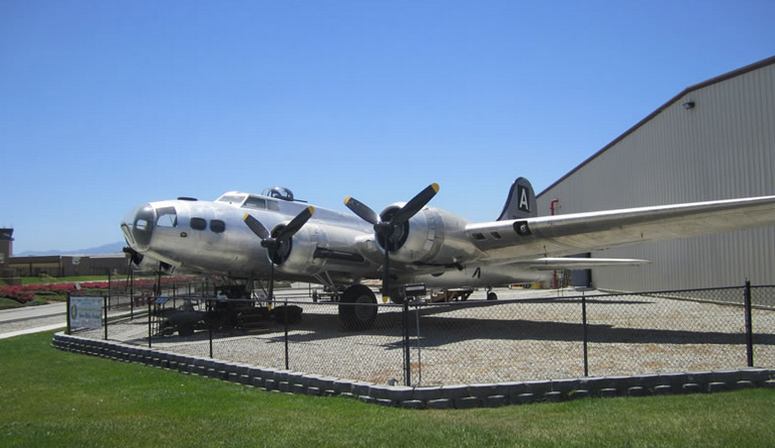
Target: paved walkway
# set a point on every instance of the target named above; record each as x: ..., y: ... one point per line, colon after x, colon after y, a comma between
x: 11, y: 334
x: 32, y: 312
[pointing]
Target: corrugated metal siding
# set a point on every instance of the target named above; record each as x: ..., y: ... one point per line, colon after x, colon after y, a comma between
x: 723, y: 148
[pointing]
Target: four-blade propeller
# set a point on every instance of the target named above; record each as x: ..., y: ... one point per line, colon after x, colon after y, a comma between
x: 386, y: 227
x: 278, y: 241
x: 389, y: 228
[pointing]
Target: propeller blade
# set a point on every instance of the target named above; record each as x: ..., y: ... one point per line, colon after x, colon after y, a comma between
x: 362, y: 210
x: 296, y: 223
x: 415, y: 205
x: 256, y: 226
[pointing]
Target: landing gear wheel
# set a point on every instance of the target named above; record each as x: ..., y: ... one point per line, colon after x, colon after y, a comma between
x: 353, y: 315
x: 186, y: 330
x: 492, y: 296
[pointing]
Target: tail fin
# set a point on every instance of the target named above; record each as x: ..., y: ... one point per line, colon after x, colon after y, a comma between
x: 521, y: 202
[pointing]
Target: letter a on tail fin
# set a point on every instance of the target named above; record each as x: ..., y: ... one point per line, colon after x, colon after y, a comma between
x: 521, y: 202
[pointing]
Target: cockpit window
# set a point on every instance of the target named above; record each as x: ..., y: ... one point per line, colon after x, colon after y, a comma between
x: 167, y: 217
x: 272, y: 205
x: 255, y: 203
x: 232, y: 198
x: 141, y: 224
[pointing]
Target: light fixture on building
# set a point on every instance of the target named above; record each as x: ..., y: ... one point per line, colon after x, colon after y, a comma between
x: 688, y: 105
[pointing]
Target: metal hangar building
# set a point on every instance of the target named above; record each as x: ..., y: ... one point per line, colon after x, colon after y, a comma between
x: 714, y: 140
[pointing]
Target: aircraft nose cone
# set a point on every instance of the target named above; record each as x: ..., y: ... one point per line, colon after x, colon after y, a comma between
x: 138, y: 227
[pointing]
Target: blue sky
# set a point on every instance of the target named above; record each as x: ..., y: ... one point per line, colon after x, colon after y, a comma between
x: 108, y: 104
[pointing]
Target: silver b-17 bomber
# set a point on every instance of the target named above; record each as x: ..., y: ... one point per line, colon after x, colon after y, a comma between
x: 248, y: 237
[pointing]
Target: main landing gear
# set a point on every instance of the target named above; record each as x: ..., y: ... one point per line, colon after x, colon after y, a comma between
x: 491, y: 294
x: 358, y: 308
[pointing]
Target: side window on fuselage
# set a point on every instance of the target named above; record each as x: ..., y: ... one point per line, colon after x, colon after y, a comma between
x: 217, y: 226
x: 198, y: 224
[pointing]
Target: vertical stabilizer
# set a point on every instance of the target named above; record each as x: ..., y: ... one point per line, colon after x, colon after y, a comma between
x: 521, y: 202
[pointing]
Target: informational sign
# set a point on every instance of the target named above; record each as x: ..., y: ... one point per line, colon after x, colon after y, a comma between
x: 85, y: 312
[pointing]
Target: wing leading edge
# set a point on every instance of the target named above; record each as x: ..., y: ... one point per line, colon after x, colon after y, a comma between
x: 583, y: 232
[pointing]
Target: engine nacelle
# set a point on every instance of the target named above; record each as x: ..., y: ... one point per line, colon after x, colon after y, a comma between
x: 432, y: 236
x: 319, y: 247
x: 301, y: 259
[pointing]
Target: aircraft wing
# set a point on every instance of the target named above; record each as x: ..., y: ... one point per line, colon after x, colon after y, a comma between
x: 583, y: 232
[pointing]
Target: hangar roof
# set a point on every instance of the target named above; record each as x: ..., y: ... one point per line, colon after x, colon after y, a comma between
x: 711, y: 81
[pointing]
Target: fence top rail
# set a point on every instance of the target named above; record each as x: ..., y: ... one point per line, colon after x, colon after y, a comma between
x: 292, y: 299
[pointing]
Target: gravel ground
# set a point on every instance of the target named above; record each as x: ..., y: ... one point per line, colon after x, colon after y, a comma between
x: 537, y: 337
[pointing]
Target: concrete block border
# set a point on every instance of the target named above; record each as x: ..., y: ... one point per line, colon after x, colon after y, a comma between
x: 462, y: 396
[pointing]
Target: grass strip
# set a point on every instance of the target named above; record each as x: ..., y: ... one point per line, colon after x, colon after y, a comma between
x: 54, y: 398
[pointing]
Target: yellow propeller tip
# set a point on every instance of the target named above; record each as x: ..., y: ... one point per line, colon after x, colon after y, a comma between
x: 347, y: 200
x: 245, y: 217
x: 311, y: 209
x: 435, y: 187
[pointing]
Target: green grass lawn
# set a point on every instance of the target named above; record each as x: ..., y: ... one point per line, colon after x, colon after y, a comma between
x: 6, y: 303
x: 54, y: 398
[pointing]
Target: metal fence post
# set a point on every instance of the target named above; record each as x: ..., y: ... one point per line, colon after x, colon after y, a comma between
x: 149, y: 322
x: 407, y: 359
x: 584, y: 328
x: 210, y: 326
x: 285, y: 324
x: 131, y: 294
x: 417, y: 340
x: 748, y: 324
x: 68, y: 314
x: 109, y: 288
x: 105, y: 315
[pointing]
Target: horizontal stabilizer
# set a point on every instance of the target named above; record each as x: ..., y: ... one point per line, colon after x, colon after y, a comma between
x: 559, y: 263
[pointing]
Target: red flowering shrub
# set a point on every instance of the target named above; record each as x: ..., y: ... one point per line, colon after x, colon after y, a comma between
x: 17, y: 292
x: 26, y: 293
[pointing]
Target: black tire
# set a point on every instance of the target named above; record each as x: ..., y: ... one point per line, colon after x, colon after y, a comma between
x: 492, y: 296
x: 186, y: 330
x: 360, y: 317
x: 292, y: 312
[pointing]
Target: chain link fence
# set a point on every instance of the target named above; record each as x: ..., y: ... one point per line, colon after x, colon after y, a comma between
x: 527, y: 335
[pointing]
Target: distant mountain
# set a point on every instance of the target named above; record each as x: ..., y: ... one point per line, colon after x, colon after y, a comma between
x: 111, y: 248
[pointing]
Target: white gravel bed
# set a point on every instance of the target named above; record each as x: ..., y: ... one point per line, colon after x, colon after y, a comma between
x: 540, y: 337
